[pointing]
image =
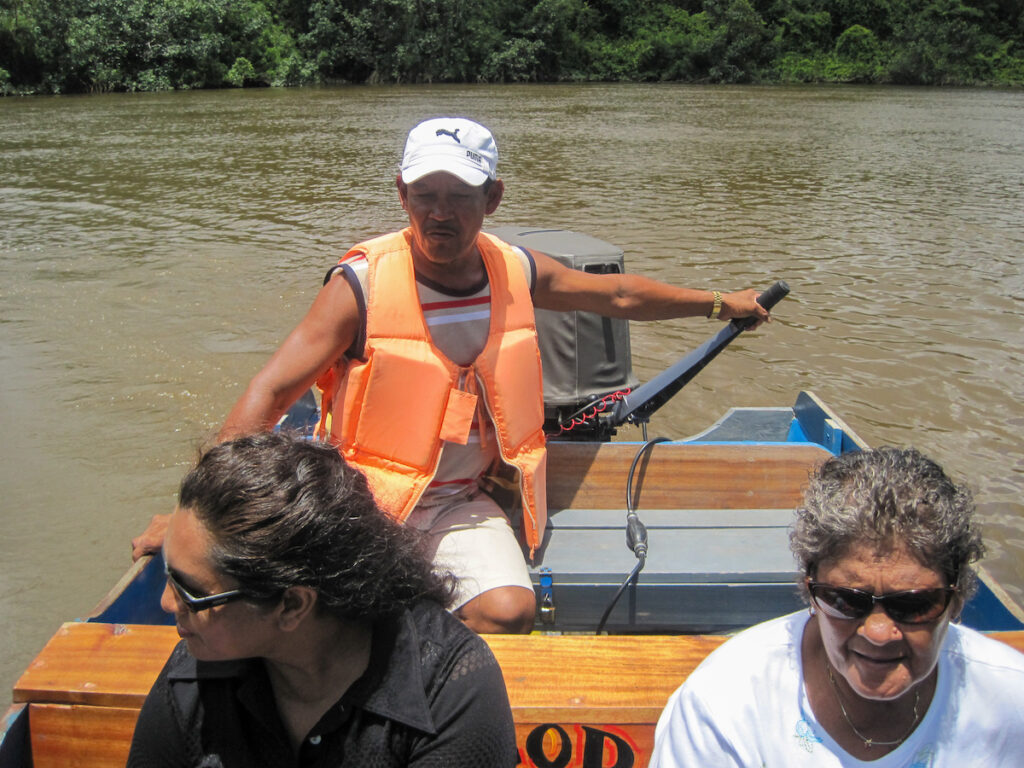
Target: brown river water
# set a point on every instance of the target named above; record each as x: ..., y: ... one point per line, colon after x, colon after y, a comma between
x: 155, y: 248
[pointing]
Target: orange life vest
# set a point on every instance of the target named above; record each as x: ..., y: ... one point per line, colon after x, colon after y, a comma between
x: 392, y: 409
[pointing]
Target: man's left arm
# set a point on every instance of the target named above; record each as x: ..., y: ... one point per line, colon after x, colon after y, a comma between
x: 633, y: 297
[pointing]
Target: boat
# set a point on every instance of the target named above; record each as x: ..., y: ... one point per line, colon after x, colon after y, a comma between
x: 655, y: 551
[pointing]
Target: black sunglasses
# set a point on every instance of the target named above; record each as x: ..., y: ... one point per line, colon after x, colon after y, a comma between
x: 196, y: 604
x: 911, y: 606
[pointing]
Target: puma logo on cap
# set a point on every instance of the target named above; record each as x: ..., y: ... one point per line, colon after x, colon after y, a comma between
x: 445, y: 132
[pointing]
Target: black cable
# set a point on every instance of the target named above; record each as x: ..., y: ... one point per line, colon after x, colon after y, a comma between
x: 636, y: 532
x: 607, y: 612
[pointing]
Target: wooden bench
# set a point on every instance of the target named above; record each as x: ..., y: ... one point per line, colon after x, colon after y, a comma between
x: 85, y: 688
x: 681, y: 475
x: 594, y: 701
x: 717, y: 517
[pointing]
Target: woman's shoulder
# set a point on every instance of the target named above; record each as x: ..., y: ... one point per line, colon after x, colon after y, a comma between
x: 443, y: 639
x: 780, y: 634
x: 978, y: 650
x: 983, y: 680
x: 455, y: 664
x: 761, y: 656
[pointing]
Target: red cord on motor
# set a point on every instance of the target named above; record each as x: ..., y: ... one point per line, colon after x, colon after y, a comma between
x: 599, y: 407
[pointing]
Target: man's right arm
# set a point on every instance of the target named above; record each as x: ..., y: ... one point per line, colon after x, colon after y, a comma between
x: 317, y: 343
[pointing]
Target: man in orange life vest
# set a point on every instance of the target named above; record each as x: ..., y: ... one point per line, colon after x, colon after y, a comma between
x: 423, y: 344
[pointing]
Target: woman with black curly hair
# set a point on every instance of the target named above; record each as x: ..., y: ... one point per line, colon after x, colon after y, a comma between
x: 314, y: 631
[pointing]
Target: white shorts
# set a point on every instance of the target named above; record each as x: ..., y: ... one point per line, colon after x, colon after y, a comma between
x: 471, y: 537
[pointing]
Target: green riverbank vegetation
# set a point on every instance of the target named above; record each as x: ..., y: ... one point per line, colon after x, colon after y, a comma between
x: 86, y: 46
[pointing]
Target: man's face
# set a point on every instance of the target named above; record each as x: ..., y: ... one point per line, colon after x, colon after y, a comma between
x: 446, y: 215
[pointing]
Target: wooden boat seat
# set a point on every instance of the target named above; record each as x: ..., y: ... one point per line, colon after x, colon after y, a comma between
x: 696, y: 475
x: 85, y: 688
x: 717, y: 517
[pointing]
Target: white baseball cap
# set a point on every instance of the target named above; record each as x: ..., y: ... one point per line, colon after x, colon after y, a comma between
x: 451, y: 144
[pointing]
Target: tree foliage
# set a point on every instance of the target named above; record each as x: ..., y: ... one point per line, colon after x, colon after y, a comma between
x: 64, y: 46
x: 102, y: 45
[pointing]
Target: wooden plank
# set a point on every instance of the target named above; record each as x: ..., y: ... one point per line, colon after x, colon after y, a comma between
x: 105, y: 665
x: 679, y: 475
x: 570, y: 695
x: 615, y: 519
x: 576, y: 699
x: 79, y: 736
x: 584, y: 745
x: 1012, y: 639
x: 109, y: 665
x: 595, y: 676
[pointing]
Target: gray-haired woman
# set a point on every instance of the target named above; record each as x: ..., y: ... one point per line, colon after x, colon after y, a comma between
x: 875, y: 672
x: 314, y: 631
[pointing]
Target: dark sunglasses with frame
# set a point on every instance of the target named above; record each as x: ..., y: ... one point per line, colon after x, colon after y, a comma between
x: 909, y: 606
x: 196, y: 604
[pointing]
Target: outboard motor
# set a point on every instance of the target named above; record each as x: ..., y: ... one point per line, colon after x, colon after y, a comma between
x: 585, y: 357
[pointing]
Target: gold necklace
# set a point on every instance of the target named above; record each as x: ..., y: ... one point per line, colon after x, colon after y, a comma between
x: 869, y: 743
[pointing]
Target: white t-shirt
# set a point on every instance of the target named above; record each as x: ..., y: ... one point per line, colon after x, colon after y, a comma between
x: 745, y: 705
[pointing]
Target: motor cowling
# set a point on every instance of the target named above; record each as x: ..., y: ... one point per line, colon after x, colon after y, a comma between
x: 585, y: 357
